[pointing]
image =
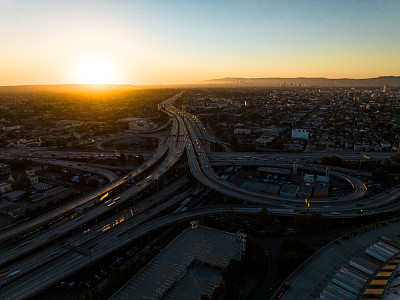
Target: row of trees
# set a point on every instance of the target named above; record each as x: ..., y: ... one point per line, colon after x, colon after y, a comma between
x: 228, y: 222
x: 293, y: 253
x: 235, y: 274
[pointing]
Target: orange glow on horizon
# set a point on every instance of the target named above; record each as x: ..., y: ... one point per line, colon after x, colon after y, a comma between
x: 96, y: 70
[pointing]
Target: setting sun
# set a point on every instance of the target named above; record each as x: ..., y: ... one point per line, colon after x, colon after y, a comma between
x: 96, y: 71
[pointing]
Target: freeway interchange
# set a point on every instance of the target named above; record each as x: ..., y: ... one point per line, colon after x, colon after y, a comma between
x: 42, y: 261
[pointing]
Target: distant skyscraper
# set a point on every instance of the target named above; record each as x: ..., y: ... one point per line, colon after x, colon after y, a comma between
x: 385, y: 88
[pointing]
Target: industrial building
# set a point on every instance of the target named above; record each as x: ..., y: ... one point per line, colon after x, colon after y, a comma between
x: 300, y: 134
x: 289, y: 190
x: 4, y: 169
x: 273, y: 171
x: 305, y: 191
x: 187, y: 267
x: 321, y: 190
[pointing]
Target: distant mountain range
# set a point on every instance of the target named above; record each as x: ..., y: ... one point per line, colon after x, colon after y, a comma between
x: 369, y: 83
x: 378, y: 82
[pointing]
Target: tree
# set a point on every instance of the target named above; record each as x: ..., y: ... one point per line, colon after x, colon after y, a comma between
x: 121, y: 146
x: 313, y: 223
x: 139, y: 159
x: 205, y: 297
x: 233, y: 275
x: 380, y: 174
x: 219, y: 290
x: 332, y: 161
x: 254, y: 259
x: 396, y: 158
x: 92, y: 182
x: 21, y: 183
x: 122, y: 158
x: 49, y: 204
x: 210, y: 221
x: 116, y: 278
x: 20, y: 165
x: 68, y: 176
x: 293, y: 253
x: 264, y: 219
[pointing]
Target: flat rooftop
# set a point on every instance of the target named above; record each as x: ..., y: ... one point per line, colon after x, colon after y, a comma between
x: 321, y: 187
x: 270, y: 188
x: 197, y: 280
x: 272, y: 170
x: 290, y: 188
x: 197, y: 253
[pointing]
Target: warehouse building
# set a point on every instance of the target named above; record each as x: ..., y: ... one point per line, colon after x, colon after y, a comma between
x: 187, y: 267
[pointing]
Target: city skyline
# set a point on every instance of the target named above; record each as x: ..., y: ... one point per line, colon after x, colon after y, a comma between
x: 157, y: 42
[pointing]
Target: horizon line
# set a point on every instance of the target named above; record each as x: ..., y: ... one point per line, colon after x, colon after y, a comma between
x: 199, y: 82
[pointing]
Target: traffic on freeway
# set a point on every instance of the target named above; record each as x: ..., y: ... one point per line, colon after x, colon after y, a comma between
x: 33, y: 265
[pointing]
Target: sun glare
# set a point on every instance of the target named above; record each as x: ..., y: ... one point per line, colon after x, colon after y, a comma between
x: 95, y: 71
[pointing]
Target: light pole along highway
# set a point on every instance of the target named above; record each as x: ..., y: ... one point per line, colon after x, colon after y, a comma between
x: 184, y: 136
x: 201, y: 169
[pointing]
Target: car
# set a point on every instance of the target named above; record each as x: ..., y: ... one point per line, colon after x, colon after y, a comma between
x: 12, y: 274
x: 97, y: 277
x: 104, y: 272
x: 71, y: 285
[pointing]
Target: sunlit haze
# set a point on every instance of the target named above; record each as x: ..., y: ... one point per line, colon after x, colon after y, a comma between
x: 95, y: 70
x: 162, y: 42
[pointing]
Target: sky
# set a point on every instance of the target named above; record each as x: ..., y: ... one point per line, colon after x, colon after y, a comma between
x: 185, y: 41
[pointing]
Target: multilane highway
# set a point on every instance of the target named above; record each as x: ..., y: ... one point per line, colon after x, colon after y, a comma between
x: 202, y: 170
x: 62, y: 267
x: 46, y: 218
x: 52, y: 263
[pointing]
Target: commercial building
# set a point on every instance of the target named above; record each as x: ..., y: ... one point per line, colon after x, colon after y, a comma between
x: 300, y: 134
x: 4, y: 169
x: 321, y: 190
x: 289, y: 190
x: 5, y: 186
x: 187, y: 267
x: 142, y: 125
x: 242, y: 131
x: 309, y: 178
x: 321, y: 178
x: 305, y: 191
x: 273, y: 171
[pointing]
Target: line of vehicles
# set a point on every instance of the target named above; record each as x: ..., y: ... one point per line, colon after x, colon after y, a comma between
x: 184, y: 204
x: 4, y: 273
